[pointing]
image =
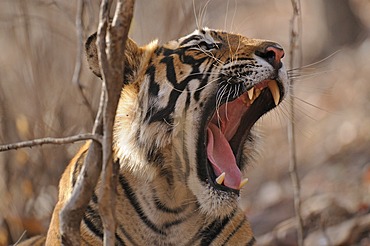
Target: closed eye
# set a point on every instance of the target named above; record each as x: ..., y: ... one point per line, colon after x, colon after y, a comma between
x: 205, y: 46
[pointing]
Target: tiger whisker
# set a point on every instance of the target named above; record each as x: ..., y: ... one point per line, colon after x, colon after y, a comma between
x: 196, y: 17
x: 234, y: 14
x: 316, y: 63
x: 210, y: 82
x: 227, y: 99
x: 171, y: 124
x: 209, y: 54
x: 203, y: 12
x: 219, y: 96
x: 300, y: 77
x: 311, y: 104
x: 298, y: 110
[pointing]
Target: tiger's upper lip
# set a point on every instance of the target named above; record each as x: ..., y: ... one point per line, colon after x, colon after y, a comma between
x: 228, y: 129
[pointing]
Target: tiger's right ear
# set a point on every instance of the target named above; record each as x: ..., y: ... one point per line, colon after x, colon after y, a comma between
x: 133, y: 54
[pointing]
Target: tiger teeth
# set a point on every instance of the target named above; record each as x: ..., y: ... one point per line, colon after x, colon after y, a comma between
x: 243, y: 183
x: 220, y: 179
x: 250, y: 93
x: 256, y: 94
x: 274, y: 88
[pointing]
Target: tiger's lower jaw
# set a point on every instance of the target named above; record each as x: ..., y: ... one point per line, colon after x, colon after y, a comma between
x: 215, y: 203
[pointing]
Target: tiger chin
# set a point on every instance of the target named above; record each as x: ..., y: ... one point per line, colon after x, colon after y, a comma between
x: 183, y: 136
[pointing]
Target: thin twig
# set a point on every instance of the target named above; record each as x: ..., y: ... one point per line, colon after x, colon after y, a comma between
x: 49, y: 140
x: 77, y: 72
x: 20, y: 238
x: 73, y: 211
x: 295, y: 42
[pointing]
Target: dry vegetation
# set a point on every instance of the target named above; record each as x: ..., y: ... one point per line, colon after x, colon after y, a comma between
x: 38, y: 99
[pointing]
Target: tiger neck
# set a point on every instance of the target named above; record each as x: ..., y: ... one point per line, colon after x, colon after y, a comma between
x: 167, y: 191
x: 163, y: 200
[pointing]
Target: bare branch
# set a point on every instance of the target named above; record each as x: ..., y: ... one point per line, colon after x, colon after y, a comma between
x: 112, y: 66
x: 42, y: 141
x: 73, y: 211
x: 77, y: 71
x: 78, y: 64
x: 295, y: 43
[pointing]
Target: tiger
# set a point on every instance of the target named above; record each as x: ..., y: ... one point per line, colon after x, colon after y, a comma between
x: 183, y: 137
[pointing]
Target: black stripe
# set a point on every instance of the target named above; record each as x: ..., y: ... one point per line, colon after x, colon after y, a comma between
x: 164, y: 113
x: 188, y: 98
x: 136, y: 205
x: 201, y: 155
x: 211, y: 232
x: 167, y: 174
x: 160, y: 206
x: 153, y: 156
x: 189, y: 39
x: 77, y: 167
x: 159, y: 50
x: 119, y: 240
x: 153, y: 85
x: 235, y: 231
x: 93, y: 222
x: 217, y: 35
x: 125, y: 233
x: 251, y: 242
x: 173, y: 223
x: 94, y: 198
x: 154, y: 115
x: 189, y: 59
x: 170, y: 69
x: 75, y: 173
x: 203, y: 83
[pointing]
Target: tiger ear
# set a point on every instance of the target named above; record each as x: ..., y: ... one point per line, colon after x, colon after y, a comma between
x: 133, y: 54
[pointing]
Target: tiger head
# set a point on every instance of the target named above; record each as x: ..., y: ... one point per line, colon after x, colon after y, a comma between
x: 187, y: 111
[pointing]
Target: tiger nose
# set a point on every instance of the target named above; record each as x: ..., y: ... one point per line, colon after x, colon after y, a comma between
x: 272, y: 54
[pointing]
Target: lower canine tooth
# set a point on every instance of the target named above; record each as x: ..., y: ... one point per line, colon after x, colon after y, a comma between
x: 220, y: 179
x: 256, y: 94
x: 243, y: 182
x: 274, y: 88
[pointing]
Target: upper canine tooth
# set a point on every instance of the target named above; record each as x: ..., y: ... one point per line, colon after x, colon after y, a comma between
x: 250, y: 93
x: 220, y: 179
x: 274, y: 88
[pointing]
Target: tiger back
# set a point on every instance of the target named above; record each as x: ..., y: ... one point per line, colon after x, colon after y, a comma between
x: 183, y: 137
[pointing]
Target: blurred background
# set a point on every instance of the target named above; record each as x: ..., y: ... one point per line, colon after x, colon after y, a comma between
x: 38, y: 98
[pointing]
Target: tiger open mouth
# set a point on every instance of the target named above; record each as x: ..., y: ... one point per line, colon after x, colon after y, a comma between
x: 228, y: 130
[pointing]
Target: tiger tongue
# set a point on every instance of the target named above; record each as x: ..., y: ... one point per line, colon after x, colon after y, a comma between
x: 222, y: 158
